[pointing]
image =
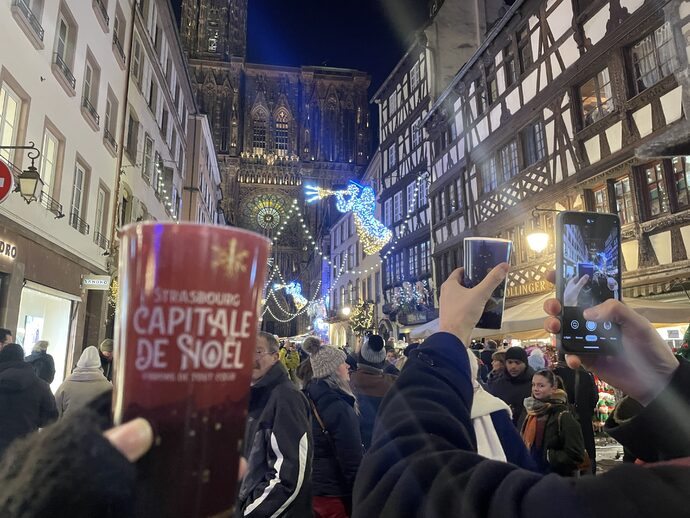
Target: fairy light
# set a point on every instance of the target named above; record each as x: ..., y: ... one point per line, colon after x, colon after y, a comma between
x: 294, y: 289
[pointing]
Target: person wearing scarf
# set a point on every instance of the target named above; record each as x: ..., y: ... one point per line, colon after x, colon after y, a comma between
x: 551, y: 432
x: 84, y: 384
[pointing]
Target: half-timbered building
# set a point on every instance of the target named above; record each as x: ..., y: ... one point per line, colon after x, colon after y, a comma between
x: 552, y: 112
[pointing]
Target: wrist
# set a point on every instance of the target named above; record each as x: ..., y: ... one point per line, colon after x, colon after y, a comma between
x: 660, y: 383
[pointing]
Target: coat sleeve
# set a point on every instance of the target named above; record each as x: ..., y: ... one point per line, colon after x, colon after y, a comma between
x: 343, y: 425
x: 422, y: 461
x: 47, y: 408
x: 288, y: 450
x: 565, y: 459
x: 60, y: 400
x: 51, y: 370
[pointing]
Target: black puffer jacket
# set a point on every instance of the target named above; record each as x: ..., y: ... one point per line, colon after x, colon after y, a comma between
x: 43, y: 364
x: 26, y: 403
x: 335, y: 461
x: 514, y: 390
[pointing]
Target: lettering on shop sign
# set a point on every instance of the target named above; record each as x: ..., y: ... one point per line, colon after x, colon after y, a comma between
x: 95, y: 282
x: 529, y: 288
x: 8, y: 250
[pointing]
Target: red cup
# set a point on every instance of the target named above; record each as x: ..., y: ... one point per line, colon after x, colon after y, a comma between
x: 189, y: 301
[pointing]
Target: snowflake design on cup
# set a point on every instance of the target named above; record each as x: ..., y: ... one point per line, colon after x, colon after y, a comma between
x: 232, y: 259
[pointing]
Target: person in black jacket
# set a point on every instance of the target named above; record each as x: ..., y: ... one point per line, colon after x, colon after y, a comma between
x: 278, y: 441
x: 583, y: 396
x: 26, y: 403
x: 516, y: 383
x: 423, y: 460
x: 335, y: 427
x: 42, y: 362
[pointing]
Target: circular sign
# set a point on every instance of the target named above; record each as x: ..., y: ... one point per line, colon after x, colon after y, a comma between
x: 6, y: 181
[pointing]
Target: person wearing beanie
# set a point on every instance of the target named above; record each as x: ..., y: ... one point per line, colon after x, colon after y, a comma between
x: 370, y: 384
x: 26, y: 403
x: 335, y: 427
x: 536, y: 360
x: 277, y: 441
x: 486, y: 353
x: 106, y: 352
x: 85, y: 384
x: 42, y: 362
x: 516, y: 384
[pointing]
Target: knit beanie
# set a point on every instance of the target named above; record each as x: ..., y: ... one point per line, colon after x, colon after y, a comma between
x: 89, y: 358
x: 516, y: 353
x: 536, y: 360
x: 373, y: 351
x: 324, y: 359
x: 106, y: 346
x: 12, y: 353
x: 41, y: 345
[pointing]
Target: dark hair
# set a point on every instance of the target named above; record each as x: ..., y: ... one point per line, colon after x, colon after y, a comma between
x: 12, y: 353
x: 499, y: 356
x: 490, y: 344
x: 4, y: 333
x: 554, y: 380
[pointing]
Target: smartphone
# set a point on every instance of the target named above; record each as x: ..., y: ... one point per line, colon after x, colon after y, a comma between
x: 588, y: 272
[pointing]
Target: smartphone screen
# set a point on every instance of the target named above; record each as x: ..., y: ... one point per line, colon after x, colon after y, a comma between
x: 588, y: 274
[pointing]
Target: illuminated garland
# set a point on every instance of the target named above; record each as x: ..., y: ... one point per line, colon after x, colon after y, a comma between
x: 293, y: 289
x: 362, y: 317
x: 361, y: 201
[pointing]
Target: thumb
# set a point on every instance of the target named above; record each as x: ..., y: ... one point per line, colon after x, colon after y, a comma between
x: 583, y: 280
x: 133, y: 439
x: 493, y: 280
x: 614, y: 311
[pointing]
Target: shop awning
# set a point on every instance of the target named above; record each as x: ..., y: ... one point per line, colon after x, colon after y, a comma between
x: 528, y: 317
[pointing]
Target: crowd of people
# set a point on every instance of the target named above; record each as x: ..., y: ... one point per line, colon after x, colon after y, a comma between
x: 333, y: 433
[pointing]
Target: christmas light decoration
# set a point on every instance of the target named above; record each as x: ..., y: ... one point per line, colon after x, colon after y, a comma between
x: 293, y: 289
x: 362, y: 318
x: 361, y: 201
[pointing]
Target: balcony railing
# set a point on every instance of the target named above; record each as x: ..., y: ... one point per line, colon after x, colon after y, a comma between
x: 102, y: 241
x: 109, y: 138
x: 76, y: 222
x: 98, y: 4
x: 118, y: 45
x: 66, y: 72
x: 90, y: 108
x: 51, y: 204
x: 30, y: 17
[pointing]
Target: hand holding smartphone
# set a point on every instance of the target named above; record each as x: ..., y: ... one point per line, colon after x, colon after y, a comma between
x: 587, y: 274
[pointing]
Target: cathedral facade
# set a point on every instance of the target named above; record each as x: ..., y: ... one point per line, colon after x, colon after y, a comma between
x: 276, y: 129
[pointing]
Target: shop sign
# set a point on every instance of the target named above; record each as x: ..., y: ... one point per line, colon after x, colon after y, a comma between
x: 529, y: 288
x: 673, y: 333
x: 8, y: 250
x: 95, y: 282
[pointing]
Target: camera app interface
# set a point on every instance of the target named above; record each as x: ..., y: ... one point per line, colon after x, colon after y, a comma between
x: 591, y: 273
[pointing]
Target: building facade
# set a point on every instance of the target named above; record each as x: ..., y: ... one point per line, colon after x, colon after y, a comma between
x: 62, y: 84
x: 455, y: 29
x: 549, y: 113
x: 275, y: 129
x: 160, y: 101
x: 202, y: 195
x: 355, y: 277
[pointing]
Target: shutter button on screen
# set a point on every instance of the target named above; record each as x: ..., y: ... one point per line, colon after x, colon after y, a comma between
x: 591, y: 326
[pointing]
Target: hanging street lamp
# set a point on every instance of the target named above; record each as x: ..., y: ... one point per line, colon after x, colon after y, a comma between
x: 29, y: 179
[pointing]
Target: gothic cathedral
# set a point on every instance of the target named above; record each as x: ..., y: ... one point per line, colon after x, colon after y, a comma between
x: 275, y: 129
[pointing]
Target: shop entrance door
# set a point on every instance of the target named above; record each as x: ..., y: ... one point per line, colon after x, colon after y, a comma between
x: 44, y: 314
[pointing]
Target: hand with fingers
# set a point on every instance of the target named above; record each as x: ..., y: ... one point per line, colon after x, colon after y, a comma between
x: 572, y: 290
x: 645, y: 365
x: 461, y: 308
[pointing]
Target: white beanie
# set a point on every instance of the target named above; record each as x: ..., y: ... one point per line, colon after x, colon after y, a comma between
x: 89, y: 359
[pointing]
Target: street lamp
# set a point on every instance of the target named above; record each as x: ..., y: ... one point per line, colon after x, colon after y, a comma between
x: 29, y: 179
x: 346, y: 311
x: 538, y: 239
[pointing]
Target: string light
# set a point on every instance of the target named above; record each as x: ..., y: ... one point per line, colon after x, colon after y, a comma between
x: 293, y: 289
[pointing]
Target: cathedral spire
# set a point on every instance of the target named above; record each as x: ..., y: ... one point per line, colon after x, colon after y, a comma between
x: 214, y: 29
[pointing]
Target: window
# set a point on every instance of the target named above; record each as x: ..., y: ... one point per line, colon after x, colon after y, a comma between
x: 164, y: 123
x: 392, y: 104
x: 533, y: 143
x: 414, y: 76
x: 350, y: 226
x: 99, y: 222
x: 411, y: 198
x: 488, y: 171
x: 509, y: 160
x: 624, y: 200
x: 259, y: 134
x: 491, y: 83
x: 524, y: 49
x: 392, y: 156
x: 49, y: 160
x: 153, y: 95
x: 110, y: 127
x: 132, y: 136
x: 147, y: 159
x: 282, y: 134
x: 63, y: 34
x: 425, y: 260
x: 597, y: 97
x: 387, y: 212
x: 137, y: 62
x: 508, y: 66
x: 416, y: 133
x: 423, y: 191
x: 358, y: 290
x: 10, y: 109
x: 601, y: 202
x: 377, y: 285
x: 350, y: 257
x: 653, y: 58
x: 397, y: 206
x: 656, y: 192
x: 369, y: 294
x: 681, y: 179
x: 77, y: 193
x: 480, y: 103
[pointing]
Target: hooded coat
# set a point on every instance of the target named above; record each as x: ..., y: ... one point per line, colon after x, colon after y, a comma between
x: 26, y: 403
x: 43, y: 364
x: 514, y: 390
x: 86, y: 383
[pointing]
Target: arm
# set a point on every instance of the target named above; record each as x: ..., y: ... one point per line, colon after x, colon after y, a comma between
x: 51, y: 364
x: 566, y: 459
x: 343, y: 425
x: 47, y: 409
x: 288, y: 453
x: 60, y: 401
